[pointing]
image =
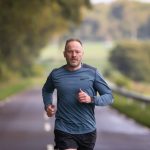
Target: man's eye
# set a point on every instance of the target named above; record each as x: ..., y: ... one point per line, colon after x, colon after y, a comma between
x: 77, y: 51
x: 69, y: 52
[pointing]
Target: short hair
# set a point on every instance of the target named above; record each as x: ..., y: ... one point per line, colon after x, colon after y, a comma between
x: 70, y: 40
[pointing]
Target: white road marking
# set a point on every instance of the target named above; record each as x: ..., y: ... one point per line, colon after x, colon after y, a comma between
x: 50, y: 147
x: 47, y: 127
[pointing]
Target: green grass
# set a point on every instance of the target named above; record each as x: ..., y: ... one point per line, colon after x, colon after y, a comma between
x: 12, y: 88
x: 133, y: 109
x: 96, y: 54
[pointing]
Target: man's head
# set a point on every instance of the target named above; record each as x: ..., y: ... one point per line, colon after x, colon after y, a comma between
x: 73, y: 53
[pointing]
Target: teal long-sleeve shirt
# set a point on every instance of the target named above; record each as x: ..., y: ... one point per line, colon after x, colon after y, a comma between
x: 71, y: 115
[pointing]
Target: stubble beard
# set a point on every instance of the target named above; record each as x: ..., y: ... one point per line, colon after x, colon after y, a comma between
x: 74, y: 65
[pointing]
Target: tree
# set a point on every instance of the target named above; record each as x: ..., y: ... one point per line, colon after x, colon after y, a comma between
x: 27, y: 26
x: 132, y: 59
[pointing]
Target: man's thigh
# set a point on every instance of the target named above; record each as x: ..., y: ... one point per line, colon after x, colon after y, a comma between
x: 64, y: 141
x: 87, y: 141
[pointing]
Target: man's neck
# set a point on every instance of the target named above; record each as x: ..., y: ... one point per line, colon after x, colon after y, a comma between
x: 72, y: 68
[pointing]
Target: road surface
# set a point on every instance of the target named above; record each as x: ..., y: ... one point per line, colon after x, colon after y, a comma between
x: 24, y: 126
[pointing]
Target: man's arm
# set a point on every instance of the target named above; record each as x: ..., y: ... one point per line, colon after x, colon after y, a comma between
x: 47, y: 91
x: 105, y: 96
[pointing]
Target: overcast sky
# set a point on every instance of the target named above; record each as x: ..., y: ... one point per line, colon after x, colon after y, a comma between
x: 98, y: 1
x: 108, y: 1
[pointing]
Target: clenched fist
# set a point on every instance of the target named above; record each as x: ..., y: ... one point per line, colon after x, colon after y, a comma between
x: 83, y: 97
x: 50, y: 110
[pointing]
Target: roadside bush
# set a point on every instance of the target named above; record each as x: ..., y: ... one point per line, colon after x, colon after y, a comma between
x: 116, y: 77
x: 132, y: 58
x: 139, y: 111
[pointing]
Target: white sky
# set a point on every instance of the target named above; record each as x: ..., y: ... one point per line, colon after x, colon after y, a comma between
x: 108, y: 1
x: 101, y: 1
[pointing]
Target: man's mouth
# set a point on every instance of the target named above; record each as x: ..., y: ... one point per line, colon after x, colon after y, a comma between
x: 74, y: 59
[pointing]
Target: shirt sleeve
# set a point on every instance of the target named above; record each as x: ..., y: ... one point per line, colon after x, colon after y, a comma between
x: 105, y: 96
x: 47, y: 91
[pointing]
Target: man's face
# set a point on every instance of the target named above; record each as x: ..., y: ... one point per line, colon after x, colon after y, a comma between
x: 73, y: 54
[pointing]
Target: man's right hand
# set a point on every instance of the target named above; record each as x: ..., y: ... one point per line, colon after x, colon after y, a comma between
x: 50, y: 110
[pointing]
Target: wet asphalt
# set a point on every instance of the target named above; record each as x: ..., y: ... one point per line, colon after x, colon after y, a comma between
x: 24, y: 126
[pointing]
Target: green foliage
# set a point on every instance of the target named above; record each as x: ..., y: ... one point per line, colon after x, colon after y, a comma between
x: 139, y: 111
x: 132, y: 59
x: 27, y: 26
x: 70, y: 13
x: 118, y: 78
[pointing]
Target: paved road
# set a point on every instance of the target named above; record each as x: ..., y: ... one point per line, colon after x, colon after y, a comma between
x: 24, y: 126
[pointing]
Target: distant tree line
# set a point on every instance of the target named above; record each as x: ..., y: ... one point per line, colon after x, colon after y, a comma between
x: 26, y: 26
x: 118, y: 20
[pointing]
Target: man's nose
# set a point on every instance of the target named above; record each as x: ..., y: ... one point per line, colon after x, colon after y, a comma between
x: 73, y: 53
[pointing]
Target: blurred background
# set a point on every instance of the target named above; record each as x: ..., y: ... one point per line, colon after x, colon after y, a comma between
x: 115, y: 36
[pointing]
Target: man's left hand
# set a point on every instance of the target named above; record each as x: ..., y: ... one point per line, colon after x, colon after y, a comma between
x: 83, y: 97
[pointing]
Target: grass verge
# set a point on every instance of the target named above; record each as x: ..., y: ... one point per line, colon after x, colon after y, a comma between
x: 139, y: 111
x: 14, y: 87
